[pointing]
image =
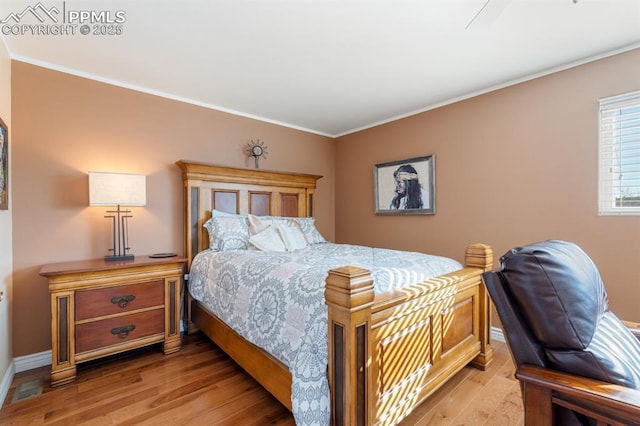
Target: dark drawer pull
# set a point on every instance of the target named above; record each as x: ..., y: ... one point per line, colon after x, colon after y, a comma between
x: 123, y: 332
x: 123, y: 301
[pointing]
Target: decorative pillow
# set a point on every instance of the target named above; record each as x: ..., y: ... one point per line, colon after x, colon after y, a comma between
x: 306, y: 225
x: 268, y: 240
x: 256, y: 224
x: 228, y: 233
x: 293, y: 237
x: 274, y: 220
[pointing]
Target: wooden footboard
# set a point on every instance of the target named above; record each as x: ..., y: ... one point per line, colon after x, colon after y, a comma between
x: 388, y: 353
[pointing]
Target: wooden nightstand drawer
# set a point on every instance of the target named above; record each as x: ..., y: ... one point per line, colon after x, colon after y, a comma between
x: 113, y: 300
x: 113, y: 331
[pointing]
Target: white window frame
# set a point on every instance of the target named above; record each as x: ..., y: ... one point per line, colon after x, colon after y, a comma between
x: 612, y: 122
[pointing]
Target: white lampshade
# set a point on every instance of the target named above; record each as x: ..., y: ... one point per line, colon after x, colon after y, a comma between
x: 117, y: 189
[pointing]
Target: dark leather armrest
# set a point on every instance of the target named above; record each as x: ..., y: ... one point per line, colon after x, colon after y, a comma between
x: 634, y: 327
x: 543, y: 388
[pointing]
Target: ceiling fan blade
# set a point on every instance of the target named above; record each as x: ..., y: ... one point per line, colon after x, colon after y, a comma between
x: 488, y: 13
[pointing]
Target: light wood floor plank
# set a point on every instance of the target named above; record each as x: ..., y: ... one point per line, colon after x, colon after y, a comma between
x: 483, y: 404
x: 510, y: 410
x: 200, y: 385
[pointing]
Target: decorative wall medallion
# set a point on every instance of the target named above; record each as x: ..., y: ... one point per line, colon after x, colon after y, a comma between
x: 257, y: 149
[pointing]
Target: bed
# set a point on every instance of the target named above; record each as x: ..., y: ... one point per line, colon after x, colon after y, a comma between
x: 386, y: 352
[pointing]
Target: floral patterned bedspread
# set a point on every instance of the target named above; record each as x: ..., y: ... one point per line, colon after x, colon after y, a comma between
x: 276, y: 301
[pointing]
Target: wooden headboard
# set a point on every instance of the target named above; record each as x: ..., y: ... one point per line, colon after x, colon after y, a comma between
x: 239, y: 191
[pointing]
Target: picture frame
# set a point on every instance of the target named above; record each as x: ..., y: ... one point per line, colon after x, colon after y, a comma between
x: 4, y: 166
x: 415, y: 177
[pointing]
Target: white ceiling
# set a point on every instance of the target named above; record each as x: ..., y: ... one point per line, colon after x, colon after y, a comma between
x: 327, y: 66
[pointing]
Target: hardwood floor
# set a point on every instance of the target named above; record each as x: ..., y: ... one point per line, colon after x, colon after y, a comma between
x: 474, y: 397
x: 200, y: 385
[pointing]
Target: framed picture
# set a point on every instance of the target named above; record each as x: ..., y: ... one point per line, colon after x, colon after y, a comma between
x: 4, y: 166
x: 405, y: 186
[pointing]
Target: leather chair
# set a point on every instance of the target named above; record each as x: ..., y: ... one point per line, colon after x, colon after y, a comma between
x: 577, y: 363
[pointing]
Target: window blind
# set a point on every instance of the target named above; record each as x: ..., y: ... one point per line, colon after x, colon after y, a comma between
x: 620, y: 154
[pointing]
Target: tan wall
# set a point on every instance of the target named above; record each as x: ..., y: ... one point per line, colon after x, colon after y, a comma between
x: 512, y: 167
x: 5, y: 226
x: 65, y: 126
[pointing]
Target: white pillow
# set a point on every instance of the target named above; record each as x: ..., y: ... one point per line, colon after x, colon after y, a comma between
x: 292, y: 236
x: 268, y: 240
x: 306, y: 225
x: 256, y: 225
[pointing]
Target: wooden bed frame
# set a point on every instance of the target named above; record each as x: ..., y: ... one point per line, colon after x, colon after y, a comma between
x: 387, y: 353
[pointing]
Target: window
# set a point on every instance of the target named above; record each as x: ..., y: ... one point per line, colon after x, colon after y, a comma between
x: 620, y: 154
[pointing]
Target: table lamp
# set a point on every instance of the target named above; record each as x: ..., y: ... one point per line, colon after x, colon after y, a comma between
x: 117, y: 190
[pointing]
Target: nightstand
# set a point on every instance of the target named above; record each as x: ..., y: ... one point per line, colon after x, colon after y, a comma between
x: 101, y: 308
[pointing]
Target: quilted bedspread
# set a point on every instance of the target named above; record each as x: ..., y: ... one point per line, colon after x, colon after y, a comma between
x: 276, y: 301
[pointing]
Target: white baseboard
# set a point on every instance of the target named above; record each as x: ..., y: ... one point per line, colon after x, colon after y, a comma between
x: 5, y: 384
x: 29, y: 362
x: 496, y: 334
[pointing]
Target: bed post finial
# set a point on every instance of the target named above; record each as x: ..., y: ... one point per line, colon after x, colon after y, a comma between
x: 349, y: 295
x: 479, y: 256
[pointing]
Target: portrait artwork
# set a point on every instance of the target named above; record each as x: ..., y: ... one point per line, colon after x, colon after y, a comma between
x: 4, y: 166
x: 405, y: 186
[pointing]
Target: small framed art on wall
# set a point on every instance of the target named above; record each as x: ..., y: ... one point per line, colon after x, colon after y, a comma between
x: 405, y: 186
